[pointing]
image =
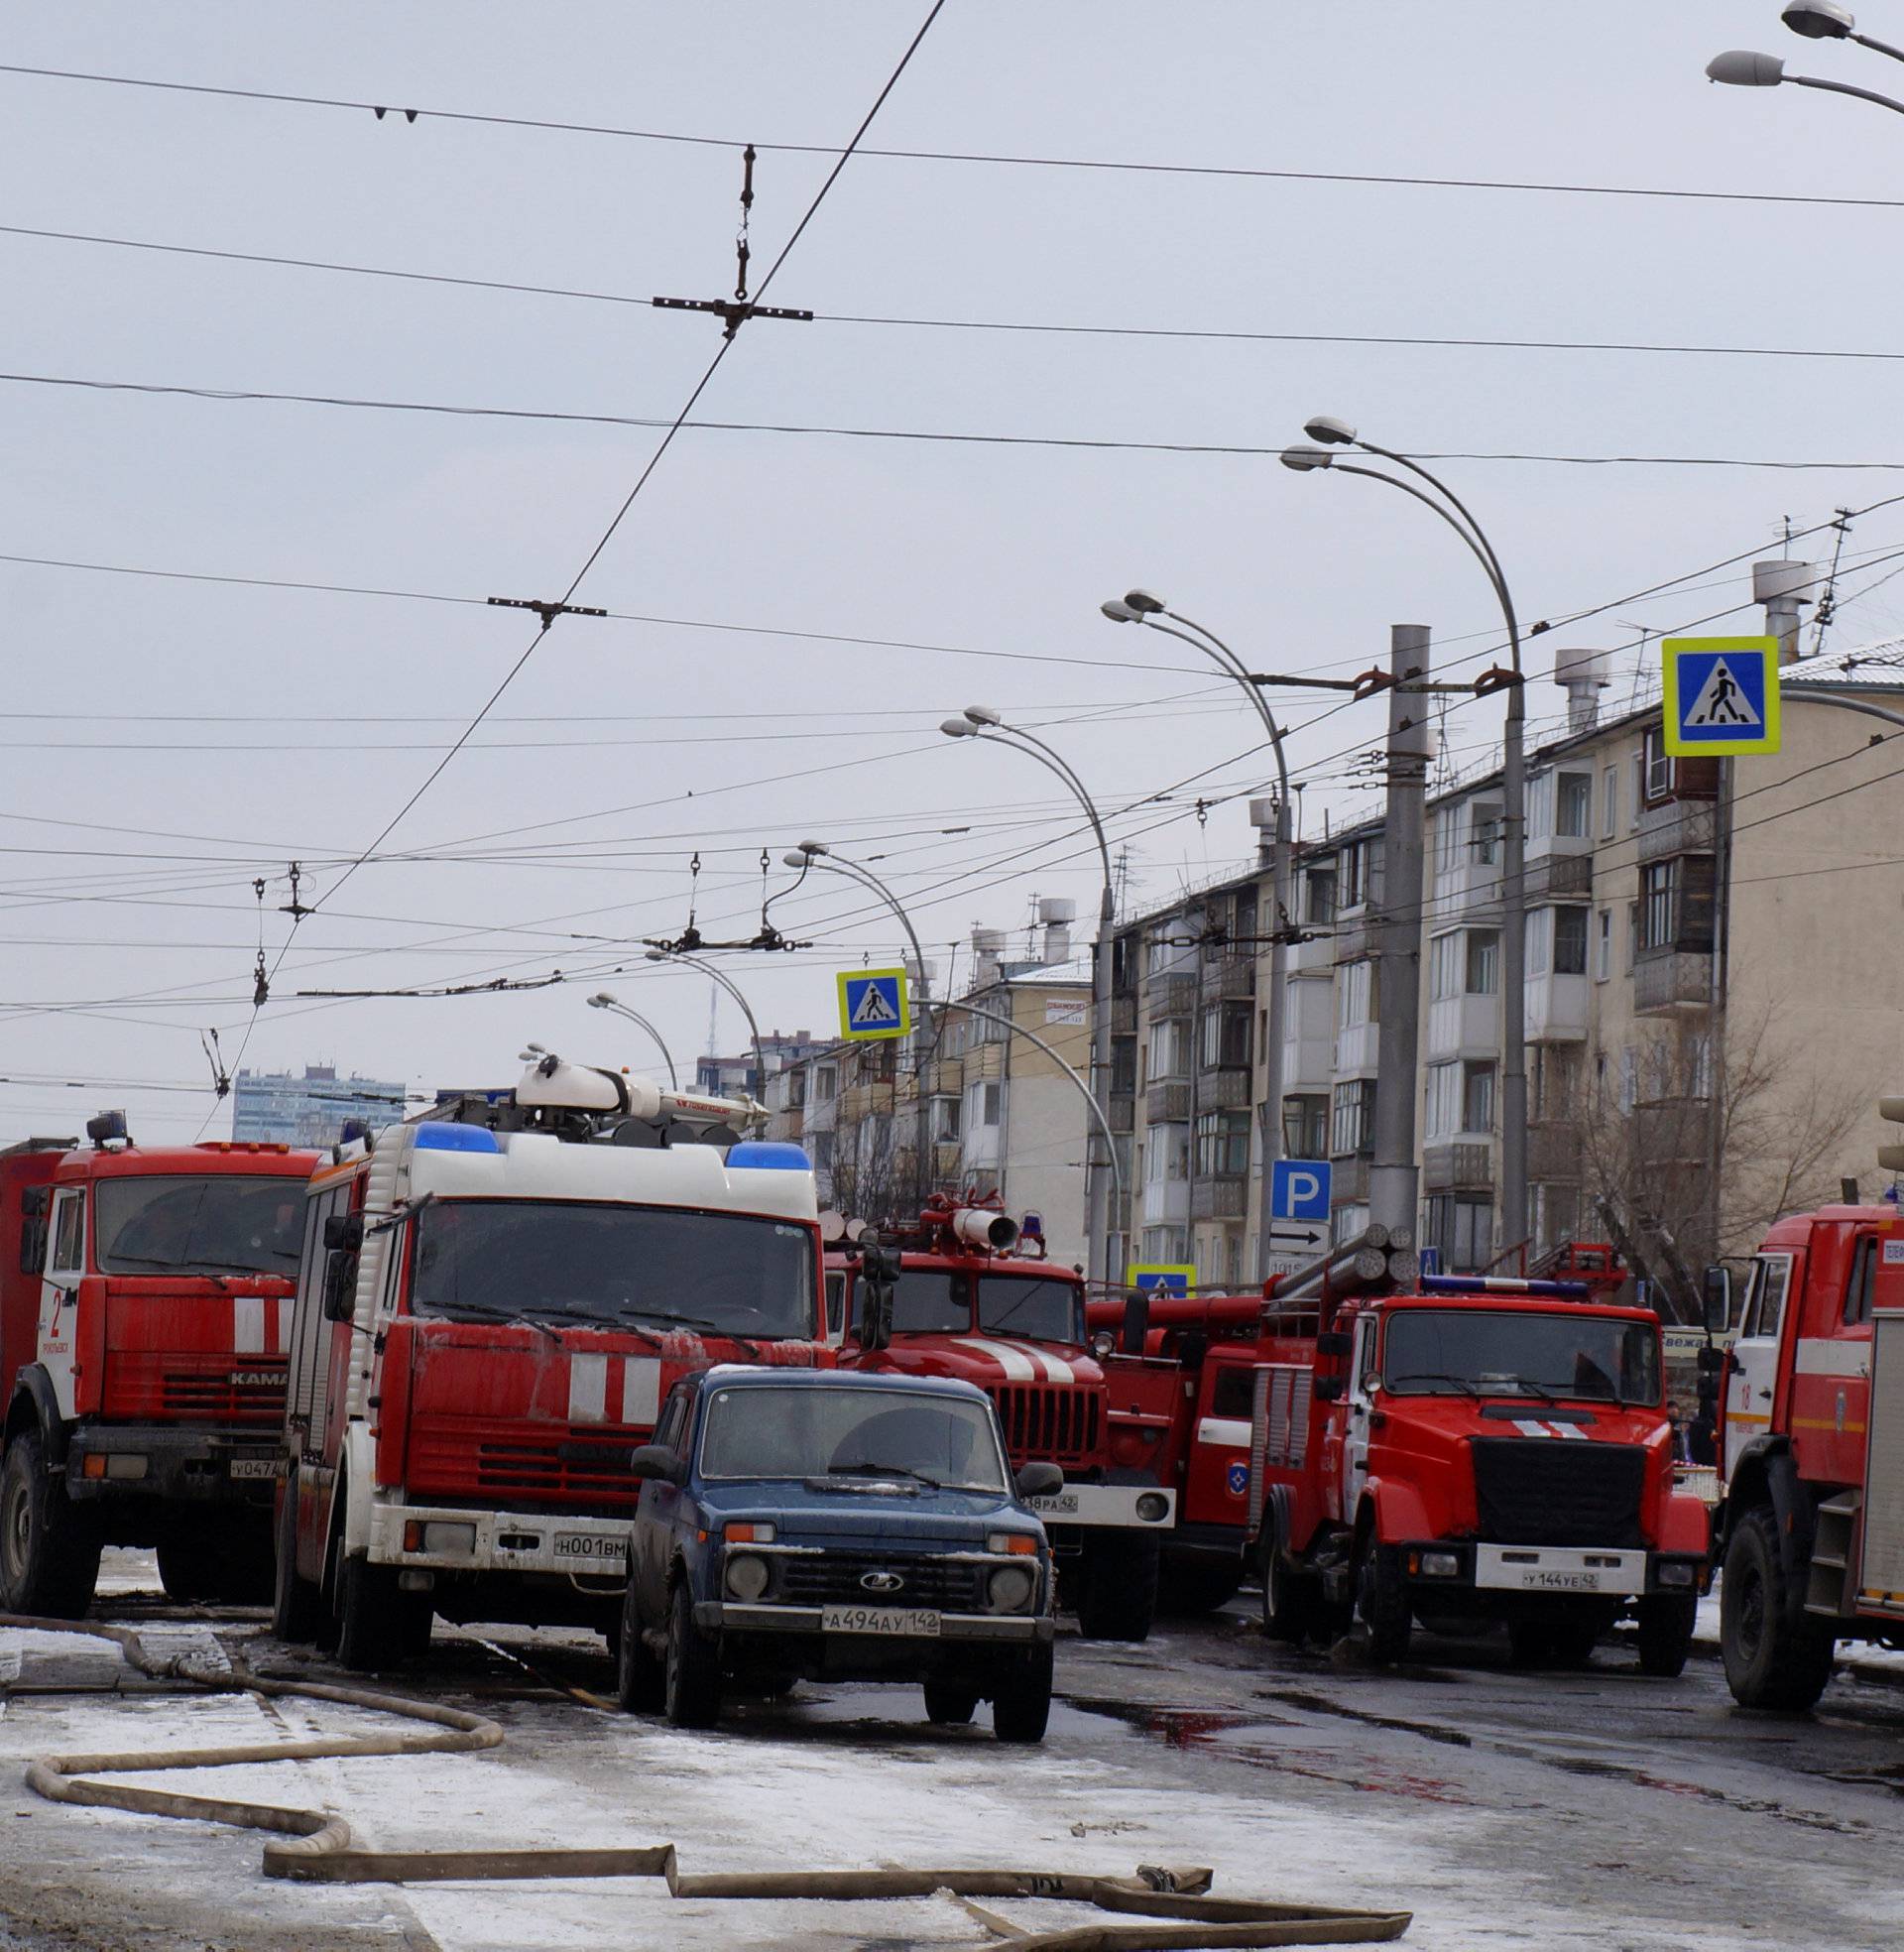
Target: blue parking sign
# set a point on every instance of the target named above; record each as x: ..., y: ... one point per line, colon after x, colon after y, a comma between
x: 1299, y: 1189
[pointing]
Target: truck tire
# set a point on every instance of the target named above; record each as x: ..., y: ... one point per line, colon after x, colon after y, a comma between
x: 1288, y: 1594
x: 379, y: 1624
x: 693, y: 1687
x: 190, y: 1568
x: 1193, y: 1589
x: 48, y: 1546
x: 1381, y: 1601
x: 1557, y: 1643
x: 1773, y: 1660
x: 1021, y: 1706
x: 1118, y: 1599
x: 641, y: 1681
x: 1666, y: 1624
x: 295, y: 1602
x: 948, y: 1705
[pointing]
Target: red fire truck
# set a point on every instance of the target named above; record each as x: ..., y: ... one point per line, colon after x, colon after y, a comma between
x: 492, y: 1306
x: 145, y: 1311
x: 973, y: 1301
x: 1476, y: 1452
x: 1811, y: 1403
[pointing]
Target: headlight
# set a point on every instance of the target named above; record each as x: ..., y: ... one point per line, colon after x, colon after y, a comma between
x: 746, y: 1575
x: 1676, y: 1575
x: 1153, y: 1505
x: 1440, y: 1565
x: 1008, y: 1589
x: 1017, y: 1543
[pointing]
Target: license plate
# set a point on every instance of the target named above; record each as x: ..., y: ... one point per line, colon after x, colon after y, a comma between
x: 1055, y: 1505
x: 253, y: 1467
x: 587, y: 1545
x: 880, y: 1620
x: 1533, y: 1580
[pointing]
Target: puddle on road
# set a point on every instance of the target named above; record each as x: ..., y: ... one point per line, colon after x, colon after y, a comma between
x: 1320, y: 1704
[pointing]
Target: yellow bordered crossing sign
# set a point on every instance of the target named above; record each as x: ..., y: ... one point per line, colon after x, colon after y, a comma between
x: 1721, y: 695
x: 1162, y: 1277
x: 875, y: 1003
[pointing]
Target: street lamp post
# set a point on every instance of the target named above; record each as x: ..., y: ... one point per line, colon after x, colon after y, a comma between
x: 1514, y: 784
x: 981, y: 721
x: 601, y: 1000
x: 1816, y: 20
x: 1141, y: 607
x: 816, y: 854
x: 726, y: 982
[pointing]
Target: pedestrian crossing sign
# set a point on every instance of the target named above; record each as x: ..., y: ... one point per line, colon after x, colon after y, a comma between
x: 1721, y: 695
x: 873, y: 1003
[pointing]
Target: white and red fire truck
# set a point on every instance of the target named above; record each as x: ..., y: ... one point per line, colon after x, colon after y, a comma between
x: 972, y: 1299
x: 145, y: 1311
x: 1811, y: 1405
x: 493, y: 1303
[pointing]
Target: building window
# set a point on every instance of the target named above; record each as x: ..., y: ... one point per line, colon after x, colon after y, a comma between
x: 1570, y: 941
x: 1573, y: 809
x: 1166, y: 1155
x: 1609, y: 800
x: 1553, y: 1083
x: 1462, y: 1229
x: 1351, y: 1222
x: 1448, y: 841
x: 1226, y: 1036
x: 1169, y: 1050
x: 1445, y: 966
x: 1318, y: 897
x: 990, y: 1103
x: 1483, y: 961
x: 1604, y: 946
x: 1357, y: 998
x: 1478, y: 1098
x: 946, y: 1120
x: 1305, y: 1127
x: 1633, y: 934
x: 1658, y: 767
x: 826, y: 1084
x: 1354, y: 1125
x: 1222, y: 1145
x: 1361, y: 881
x: 1629, y: 1079
x: 1163, y: 1245
x: 1540, y: 934
x: 1484, y: 831
x: 1123, y: 1066
x: 1658, y: 904
x: 1444, y: 1100
x: 820, y: 1143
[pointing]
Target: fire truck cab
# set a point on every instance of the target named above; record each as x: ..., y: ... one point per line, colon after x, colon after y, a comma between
x: 971, y: 1300
x: 145, y: 1311
x: 491, y: 1307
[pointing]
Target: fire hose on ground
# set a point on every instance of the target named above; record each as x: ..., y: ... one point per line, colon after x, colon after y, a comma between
x: 314, y: 1846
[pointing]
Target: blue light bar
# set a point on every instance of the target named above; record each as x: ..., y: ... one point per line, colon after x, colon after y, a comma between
x: 1501, y: 1284
x: 768, y: 1155
x: 438, y: 1137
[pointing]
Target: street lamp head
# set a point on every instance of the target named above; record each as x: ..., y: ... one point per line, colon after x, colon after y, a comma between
x: 814, y: 847
x: 1819, y: 20
x: 1331, y: 432
x: 1302, y: 459
x: 1739, y: 68
x: 958, y: 728
x: 797, y: 858
x: 601, y: 1000
x: 657, y: 955
x: 983, y: 715
x: 1120, y: 612
x: 1144, y: 603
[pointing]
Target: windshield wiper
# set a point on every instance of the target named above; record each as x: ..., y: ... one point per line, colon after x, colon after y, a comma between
x: 181, y: 1268
x: 869, y: 1470
x: 1460, y: 1383
x: 1532, y: 1388
x: 703, y: 1322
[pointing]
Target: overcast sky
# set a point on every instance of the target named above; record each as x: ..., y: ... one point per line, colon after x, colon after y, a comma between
x: 167, y: 742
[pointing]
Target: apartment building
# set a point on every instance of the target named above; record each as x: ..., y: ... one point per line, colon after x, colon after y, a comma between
x: 1713, y: 997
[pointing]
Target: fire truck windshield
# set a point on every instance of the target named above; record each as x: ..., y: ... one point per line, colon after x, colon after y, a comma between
x: 603, y: 1266
x: 931, y: 1301
x: 1033, y: 1306
x: 222, y: 1223
x: 847, y: 1434
x: 1546, y: 1356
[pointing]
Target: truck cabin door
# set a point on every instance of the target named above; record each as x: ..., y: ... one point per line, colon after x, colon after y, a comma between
x: 59, y: 1293
x: 1360, y: 1401
x: 1751, y: 1381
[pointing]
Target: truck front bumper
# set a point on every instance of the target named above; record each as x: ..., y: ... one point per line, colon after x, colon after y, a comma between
x: 165, y: 1461
x: 1136, y: 1507
x: 447, y: 1538
x: 1606, y: 1572
x: 755, y: 1616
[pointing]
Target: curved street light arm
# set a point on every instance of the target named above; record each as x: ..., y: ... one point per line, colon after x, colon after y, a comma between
x: 1053, y: 762
x: 1812, y: 695
x: 720, y: 976
x: 634, y: 1017
x: 1846, y: 89
x: 1240, y: 672
x: 1877, y: 47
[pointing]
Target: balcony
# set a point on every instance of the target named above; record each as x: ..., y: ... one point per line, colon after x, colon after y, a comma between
x: 1677, y: 826
x: 1351, y: 1181
x: 1308, y: 1063
x: 1673, y: 1132
x: 945, y: 1078
x: 1166, y: 1203
x: 1229, y: 975
x: 1466, y: 1164
x: 1356, y: 936
x: 1225, y: 1198
x: 1554, y: 1150
x: 1224, y: 1088
x: 1561, y: 874
x: 1316, y: 956
x: 1672, y: 981
x: 859, y: 1102
x: 1356, y: 1050
x: 1463, y: 1025
x: 1167, y: 1103
x: 1170, y: 996
x: 1557, y: 1009
x: 1124, y: 1016
x: 1123, y: 1112
x: 948, y: 1161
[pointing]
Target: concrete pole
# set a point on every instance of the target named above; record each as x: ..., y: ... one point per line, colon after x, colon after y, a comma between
x: 1102, y: 1177
x: 1283, y: 904
x: 1393, y: 1178
x: 1513, y: 973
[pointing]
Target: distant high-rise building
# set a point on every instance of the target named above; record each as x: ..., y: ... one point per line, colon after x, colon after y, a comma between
x: 275, y: 1106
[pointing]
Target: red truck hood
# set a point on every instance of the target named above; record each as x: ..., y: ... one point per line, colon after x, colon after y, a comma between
x: 187, y: 1349
x: 988, y: 1360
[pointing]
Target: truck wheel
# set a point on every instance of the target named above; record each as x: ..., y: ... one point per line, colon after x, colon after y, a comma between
x: 693, y: 1689
x: 641, y: 1681
x: 1288, y: 1596
x: 1118, y: 1599
x: 1023, y: 1704
x: 1773, y: 1660
x: 49, y: 1548
x: 293, y: 1600
x: 1199, y: 1588
x: 378, y: 1623
x: 188, y: 1569
x: 949, y: 1706
x: 1666, y: 1634
x: 1383, y: 1602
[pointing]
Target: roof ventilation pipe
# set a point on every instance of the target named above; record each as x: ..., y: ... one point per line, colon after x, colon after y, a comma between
x: 1057, y: 914
x: 1785, y: 589
x: 1582, y: 675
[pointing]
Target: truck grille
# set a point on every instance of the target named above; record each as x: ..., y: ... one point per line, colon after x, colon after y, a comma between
x: 1548, y: 1491
x: 1054, y: 1423
x: 833, y: 1578
x: 239, y: 1390
x: 575, y: 1469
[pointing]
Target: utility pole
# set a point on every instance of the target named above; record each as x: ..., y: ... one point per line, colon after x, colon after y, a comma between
x: 1392, y: 1178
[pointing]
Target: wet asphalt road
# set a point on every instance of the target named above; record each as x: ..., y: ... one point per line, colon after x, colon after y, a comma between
x: 1505, y: 1808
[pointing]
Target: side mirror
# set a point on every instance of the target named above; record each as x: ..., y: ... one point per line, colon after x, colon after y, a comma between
x: 1038, y: 1480
x: 655, y: 1461
x: 1710, y: 1361
x: 1326, y: 1388
x: 344, y: 1230
x: 878, y: 1276
x: 1334, y: 1343
x: 1136, y: 1323
x: 341, y: 1284
x: 1719, y: 1299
